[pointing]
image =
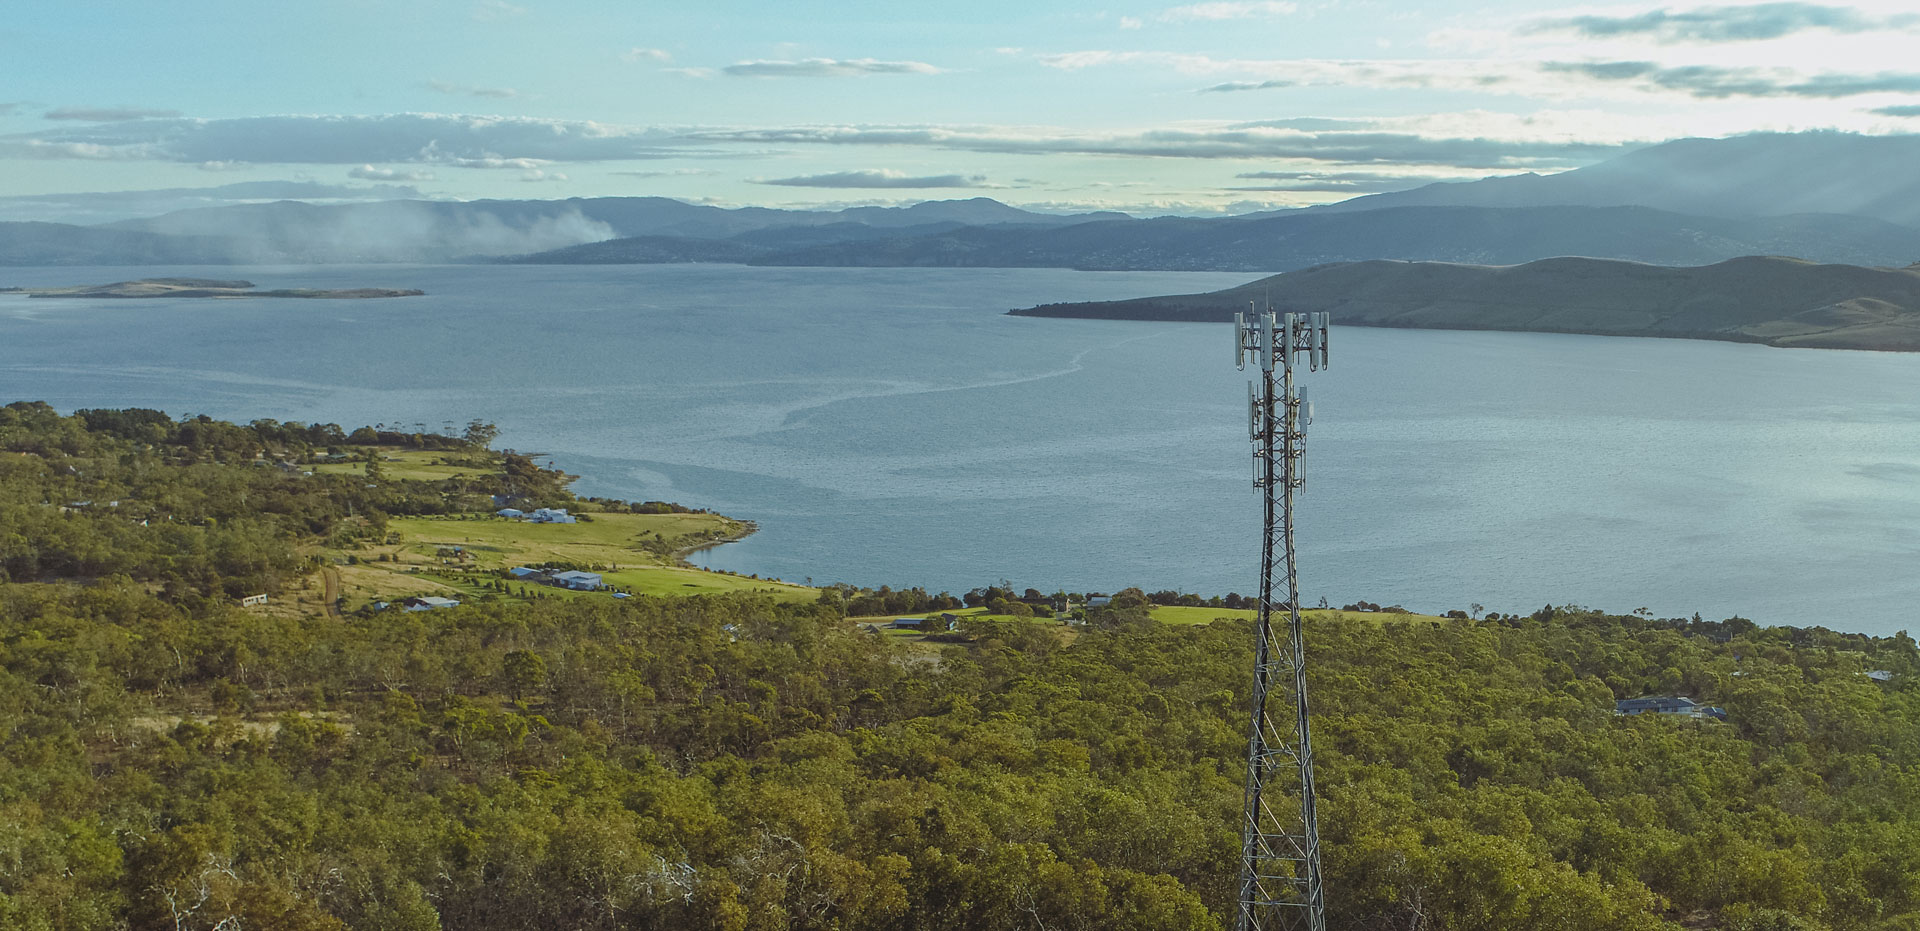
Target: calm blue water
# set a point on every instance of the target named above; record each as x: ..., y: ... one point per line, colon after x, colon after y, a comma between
x: 893, y: 426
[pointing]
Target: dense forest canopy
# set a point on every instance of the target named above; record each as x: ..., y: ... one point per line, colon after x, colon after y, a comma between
x: 169, y: 760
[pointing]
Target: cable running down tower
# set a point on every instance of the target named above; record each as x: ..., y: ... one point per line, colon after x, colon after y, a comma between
x: 1280, y: 883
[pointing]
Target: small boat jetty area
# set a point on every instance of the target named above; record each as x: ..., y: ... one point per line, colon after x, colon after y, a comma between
x: 204, y: 287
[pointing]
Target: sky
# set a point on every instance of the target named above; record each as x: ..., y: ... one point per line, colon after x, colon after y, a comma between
x: 1219, y: 107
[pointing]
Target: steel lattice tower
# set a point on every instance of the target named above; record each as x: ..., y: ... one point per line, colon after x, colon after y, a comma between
x: 1280, y: 881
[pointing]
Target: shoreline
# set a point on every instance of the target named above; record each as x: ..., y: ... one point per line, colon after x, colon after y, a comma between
x: 679, y: 556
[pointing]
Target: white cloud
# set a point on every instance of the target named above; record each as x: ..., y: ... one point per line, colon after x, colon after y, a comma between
x: 1545, y: 79
x: 1863, y: 36
x: 1469, y: 142
x: 1231, y: 9
x: 880, y: 178
x: 539, y: 175
x: 667, y: 173
x: 370, y: 173
x: 108, y: 114
x: 223, y: 166
x: 1540, y: 139
x: 826, y: 68
x: 1260, y: 73
x: 21, y: 147
x: 1338, y: 182
x: 646, y: 54
x: 463, y: 140
x: 1719, y: 82
x: 496, y: 163
x: 1742, y: 23
x: 1130, y: 22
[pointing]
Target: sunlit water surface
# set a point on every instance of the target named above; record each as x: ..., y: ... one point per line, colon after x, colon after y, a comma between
x: 894, y: 426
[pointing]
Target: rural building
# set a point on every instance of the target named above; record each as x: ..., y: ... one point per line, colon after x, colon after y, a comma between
x: 578, y: 581
x: 1099, y: 601
x: 550, y: 516
x: 511, y: 513
x: 252, y: 600
x: 429, y: 603
x: 1880, y: 675
x: 1684, y: 707
x: 525, y: 574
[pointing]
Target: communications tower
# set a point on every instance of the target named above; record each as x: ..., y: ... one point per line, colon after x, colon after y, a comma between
x: 1280, y: 882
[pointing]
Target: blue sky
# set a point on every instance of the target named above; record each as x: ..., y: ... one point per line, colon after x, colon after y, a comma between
x: 1197, y: 108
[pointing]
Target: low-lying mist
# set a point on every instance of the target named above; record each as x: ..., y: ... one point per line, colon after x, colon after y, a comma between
x: 391, y: 231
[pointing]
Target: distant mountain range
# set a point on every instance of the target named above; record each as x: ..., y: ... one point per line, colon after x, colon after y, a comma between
x: 1827, y: 197
x: 1759, y: 175
x: 1772, y: 300
x: 1299, y: 239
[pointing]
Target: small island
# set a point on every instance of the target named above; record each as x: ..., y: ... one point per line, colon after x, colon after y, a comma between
x: 205, y: 287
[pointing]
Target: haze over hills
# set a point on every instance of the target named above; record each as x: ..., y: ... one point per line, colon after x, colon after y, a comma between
x: 1827, y: 197
x: 438, y: 231
x: 1300, y: 239
x: 1772, y: 300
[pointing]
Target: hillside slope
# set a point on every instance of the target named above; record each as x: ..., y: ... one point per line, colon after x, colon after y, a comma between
x: 36, y: 243
x: 1772, y: 300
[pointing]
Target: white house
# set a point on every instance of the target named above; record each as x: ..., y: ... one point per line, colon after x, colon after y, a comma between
x: 550, y: 516
x: 578, y: 581
x: 511, y: 513
x: 428, y: 603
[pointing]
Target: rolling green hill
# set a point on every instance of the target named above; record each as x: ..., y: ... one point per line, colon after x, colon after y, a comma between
x: 1762, y: 299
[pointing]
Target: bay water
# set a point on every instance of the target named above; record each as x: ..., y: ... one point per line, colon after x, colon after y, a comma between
x: 894, y: 426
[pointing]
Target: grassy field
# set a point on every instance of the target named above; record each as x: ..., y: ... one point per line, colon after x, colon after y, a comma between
x: 617, y: 541
x: 629, y: 545
x: 608, y: 539
x: 424, y: 465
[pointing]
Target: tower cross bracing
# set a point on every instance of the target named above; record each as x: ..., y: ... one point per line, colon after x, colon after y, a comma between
x: 1280, y: 880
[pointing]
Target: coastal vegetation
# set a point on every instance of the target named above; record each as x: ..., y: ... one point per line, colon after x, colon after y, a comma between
x: 170, y: 759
